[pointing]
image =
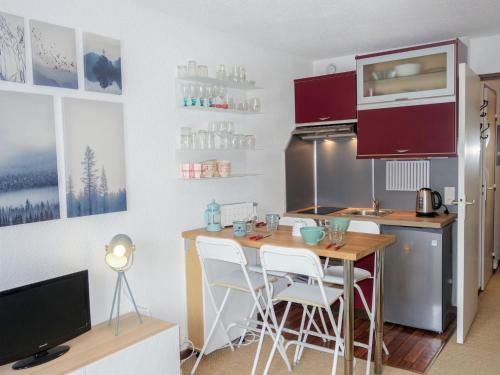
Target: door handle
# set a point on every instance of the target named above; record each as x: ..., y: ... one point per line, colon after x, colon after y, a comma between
x: 323, y: 118
x: 493, y: 187
x: 467, y: 203
x: 402, y: 151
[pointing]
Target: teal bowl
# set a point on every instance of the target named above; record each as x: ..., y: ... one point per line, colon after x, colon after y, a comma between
x: 312, y: 235
x: 342, y: 223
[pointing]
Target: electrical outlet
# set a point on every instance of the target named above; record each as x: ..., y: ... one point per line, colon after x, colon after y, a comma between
x: 449, y: 194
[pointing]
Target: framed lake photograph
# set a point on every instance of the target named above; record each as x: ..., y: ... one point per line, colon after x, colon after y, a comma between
x: 28, y: 159
x: 103, y: 64
x: 12, y: 48
x: 94, y: 157
x: 53, y: 51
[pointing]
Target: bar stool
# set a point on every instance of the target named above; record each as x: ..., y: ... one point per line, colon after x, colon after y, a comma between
x: 335, y: 275
x: 317, y: 296
x: 229, y: 251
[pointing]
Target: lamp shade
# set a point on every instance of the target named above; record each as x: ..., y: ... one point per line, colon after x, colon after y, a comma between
x: 120, y: 253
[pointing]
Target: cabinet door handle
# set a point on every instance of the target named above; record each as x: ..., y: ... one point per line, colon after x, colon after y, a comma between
x: 493, y: 187
x: 402, y: 98
x: 323, y: 118
x: 402, y: 151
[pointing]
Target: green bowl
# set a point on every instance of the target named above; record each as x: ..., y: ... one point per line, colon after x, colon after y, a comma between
x: 342, y: 223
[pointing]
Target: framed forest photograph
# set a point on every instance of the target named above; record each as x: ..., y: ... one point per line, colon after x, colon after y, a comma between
x: 94, y: 157
x: 29, y: 189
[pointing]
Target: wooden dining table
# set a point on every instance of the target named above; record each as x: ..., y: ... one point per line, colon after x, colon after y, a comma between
x: 356, y: 246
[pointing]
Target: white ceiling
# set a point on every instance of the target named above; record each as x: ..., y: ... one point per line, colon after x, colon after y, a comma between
x: 316, y: 29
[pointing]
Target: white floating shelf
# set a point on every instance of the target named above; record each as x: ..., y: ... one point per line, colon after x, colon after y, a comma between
x: 245, y: 86
x: 222, y: 110
x: 236, y: 175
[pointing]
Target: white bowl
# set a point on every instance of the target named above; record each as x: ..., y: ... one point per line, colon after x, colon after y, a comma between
x: 405, y: 70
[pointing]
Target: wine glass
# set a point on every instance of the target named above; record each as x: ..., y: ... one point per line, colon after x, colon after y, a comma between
x: 193, y: 93
x: 185, y: 94
x: 203, y: 95
x: 209, y: 95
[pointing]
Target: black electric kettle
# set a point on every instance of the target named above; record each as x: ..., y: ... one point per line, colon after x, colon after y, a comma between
x: 428, y: 201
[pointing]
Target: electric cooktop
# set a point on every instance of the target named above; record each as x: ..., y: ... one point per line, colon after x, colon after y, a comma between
x: 324, y: 210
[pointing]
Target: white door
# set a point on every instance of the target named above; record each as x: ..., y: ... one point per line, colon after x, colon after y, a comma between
x: 488, y: 153
x: 469, y: 148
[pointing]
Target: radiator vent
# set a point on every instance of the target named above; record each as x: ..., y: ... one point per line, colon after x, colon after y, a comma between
x: 407, y: 175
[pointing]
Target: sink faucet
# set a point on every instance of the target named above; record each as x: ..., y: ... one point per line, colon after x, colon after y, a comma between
x: 376, y: 205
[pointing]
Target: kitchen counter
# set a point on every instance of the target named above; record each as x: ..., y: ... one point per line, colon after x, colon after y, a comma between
x: 396, y: 217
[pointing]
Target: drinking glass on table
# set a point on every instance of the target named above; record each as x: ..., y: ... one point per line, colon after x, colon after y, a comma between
x: 272, y: 222
x: 337, y: 228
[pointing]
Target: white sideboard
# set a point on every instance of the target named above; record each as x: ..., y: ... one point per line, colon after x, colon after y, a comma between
x: 151, y: 348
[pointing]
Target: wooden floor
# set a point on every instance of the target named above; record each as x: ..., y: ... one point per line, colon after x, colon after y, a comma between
x: 409, y: 348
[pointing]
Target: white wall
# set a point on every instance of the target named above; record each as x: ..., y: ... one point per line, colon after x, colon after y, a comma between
x: 160, y: 206
x: 484, y: 54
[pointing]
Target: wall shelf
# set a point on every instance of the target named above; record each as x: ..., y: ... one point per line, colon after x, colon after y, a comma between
x: 235, y: 175
x: 244, y: 86
x: 221, y: 110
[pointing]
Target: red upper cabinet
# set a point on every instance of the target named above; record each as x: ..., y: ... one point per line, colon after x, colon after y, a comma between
x: 329, y: 98
x: 408, y: 132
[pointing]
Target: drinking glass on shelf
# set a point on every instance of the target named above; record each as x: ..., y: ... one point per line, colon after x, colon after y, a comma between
x: 231, y: 104
x: 202, y: 139
x: 221, y: 72
x: 185, y: 94
x: 185, y: 142
x: 210, y: 140
x: 203, y: 95
x: 242, y: 74
x: 212, y: 126
x: 235, y: 74
x: 192, y: 68
x: 194, y: 141
x: 230, y: 127
x: 250, y: 142
x: 182, y: 71
x: 254, y: 105
x: 209, y: 95
x: 193, y: 93
x: 202, y: 71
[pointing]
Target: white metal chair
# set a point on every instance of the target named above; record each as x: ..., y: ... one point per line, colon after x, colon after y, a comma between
x: 317, y: 296
x: 226, y: 250
x: 335, y: 275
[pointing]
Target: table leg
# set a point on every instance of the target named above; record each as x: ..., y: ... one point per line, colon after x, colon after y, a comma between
x: 379, y: 309
x: 348, y: 317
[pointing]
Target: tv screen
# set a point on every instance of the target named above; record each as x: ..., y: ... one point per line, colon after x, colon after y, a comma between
x: 37, y: 317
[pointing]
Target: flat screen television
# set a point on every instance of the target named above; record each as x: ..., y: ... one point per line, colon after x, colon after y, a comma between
x: 36, y: 318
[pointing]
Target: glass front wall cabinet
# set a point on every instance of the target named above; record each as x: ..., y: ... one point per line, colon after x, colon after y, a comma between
x: 412, y: 74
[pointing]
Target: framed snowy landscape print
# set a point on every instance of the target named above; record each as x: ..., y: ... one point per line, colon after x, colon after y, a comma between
x: 12, y: 48
x: 94, y: 157
x: 102, y: 63
x: 53, y: 51
x: 28, y: 160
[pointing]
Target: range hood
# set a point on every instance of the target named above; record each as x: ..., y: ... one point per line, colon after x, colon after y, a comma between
x: 323, y: 132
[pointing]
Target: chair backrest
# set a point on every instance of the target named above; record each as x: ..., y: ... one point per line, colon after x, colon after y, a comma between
x: 221, y: 249
x: 290, y: 221
x: 291, y: 260
x: 363, y: 227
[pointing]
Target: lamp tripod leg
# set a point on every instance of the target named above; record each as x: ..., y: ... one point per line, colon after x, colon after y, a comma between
x: 132, y: 298
x: 117, y: 324
x: 114, y: 299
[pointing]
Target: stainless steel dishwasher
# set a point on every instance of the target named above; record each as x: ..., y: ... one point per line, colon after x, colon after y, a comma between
x: 418, y: 278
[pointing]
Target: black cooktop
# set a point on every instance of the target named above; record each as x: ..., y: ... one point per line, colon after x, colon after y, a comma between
x: 321, y: 210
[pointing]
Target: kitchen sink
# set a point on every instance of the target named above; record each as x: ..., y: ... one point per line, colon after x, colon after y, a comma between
x: 368, y: 213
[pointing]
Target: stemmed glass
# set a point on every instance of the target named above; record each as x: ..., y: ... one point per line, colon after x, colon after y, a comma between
x: 209, y: 95
x: 193, y: 93
x: 185, y: 94
x: 203, y: 95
